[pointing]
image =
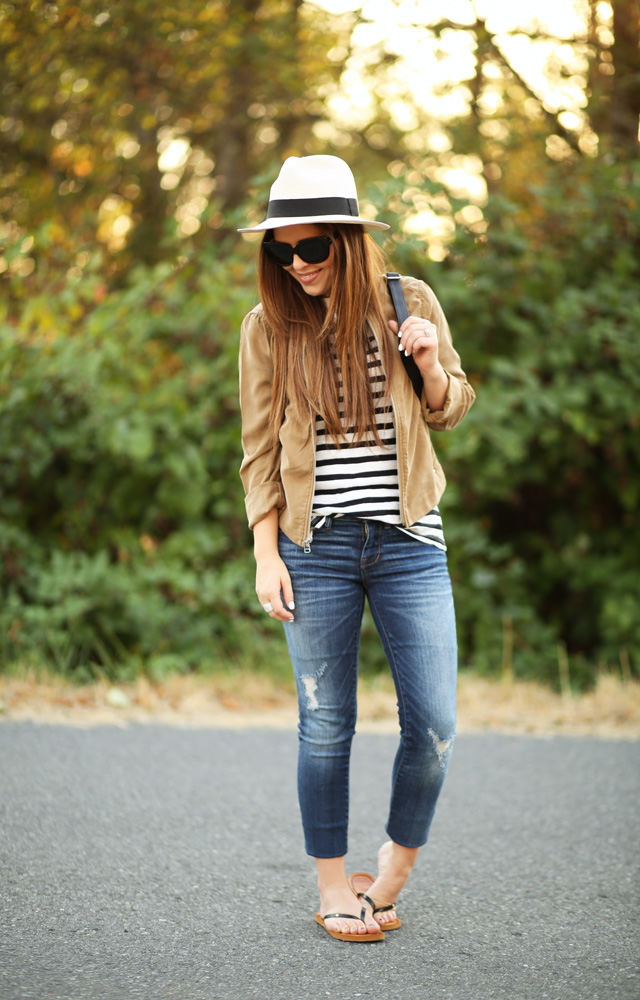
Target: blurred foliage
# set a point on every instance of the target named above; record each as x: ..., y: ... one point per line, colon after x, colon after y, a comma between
x: 123, y: 539
x: 93, y: 94
x: 544, y: 473
x: 133, y: 139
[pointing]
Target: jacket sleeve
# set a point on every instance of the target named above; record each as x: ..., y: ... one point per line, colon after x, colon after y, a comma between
x: 421, y: 301
x: 260, y: 469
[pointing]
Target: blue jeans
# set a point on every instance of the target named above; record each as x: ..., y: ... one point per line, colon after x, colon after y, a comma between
x: 409, y: 592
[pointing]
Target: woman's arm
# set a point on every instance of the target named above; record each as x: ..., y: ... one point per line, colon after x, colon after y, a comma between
x: 272, y: 575
x: 443, y: 407
x: 260, y: 469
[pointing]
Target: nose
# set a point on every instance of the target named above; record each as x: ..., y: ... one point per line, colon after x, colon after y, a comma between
x: 298, y: 264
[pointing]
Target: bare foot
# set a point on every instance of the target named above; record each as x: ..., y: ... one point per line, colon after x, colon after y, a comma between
x: 341, y: 899
x: 394, y: 867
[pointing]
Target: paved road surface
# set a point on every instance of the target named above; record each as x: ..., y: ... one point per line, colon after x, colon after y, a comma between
x: 162, y: 863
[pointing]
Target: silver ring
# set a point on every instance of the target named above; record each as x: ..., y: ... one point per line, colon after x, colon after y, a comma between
x: 268, y: 607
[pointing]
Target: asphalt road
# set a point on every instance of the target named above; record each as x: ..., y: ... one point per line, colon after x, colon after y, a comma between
x: 162, y: 863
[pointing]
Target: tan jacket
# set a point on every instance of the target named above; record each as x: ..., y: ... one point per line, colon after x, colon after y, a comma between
x: 284, y: 477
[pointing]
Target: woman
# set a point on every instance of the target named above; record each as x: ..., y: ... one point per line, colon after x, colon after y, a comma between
x: 342, y: 486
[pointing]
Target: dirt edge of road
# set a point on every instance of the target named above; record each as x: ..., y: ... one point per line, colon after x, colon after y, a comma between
x: 610, y: 711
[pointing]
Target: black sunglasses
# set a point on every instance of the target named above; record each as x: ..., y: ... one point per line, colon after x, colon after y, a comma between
x: 313, y: 250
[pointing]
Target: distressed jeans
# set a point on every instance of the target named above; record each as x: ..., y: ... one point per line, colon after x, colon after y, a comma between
x: 409, y: 592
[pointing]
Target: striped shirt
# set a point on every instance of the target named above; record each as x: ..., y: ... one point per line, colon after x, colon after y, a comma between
x: 362, y: 480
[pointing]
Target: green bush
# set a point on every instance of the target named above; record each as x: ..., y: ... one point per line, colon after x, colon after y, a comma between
x: 123, y: 538
x: 544, y: 485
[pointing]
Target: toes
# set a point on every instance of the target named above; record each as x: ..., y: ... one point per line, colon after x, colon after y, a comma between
x: 357, y: 929
x: 360, y: 928
x: 372, y: 921
x: 338, y: 926
x: 371, y: 924
x: 344, y: 928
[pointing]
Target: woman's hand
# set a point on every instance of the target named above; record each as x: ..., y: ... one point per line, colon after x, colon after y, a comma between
x: 419, y: 337
x: 272, y: 576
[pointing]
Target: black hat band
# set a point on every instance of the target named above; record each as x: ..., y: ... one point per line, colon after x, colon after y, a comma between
x: 294, y: 208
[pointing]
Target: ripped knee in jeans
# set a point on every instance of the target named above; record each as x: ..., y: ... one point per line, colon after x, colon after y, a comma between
x: 310, y: 682
x: 442, y: 747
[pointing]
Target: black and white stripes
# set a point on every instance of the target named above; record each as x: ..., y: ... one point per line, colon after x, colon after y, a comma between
x: 362, y: 480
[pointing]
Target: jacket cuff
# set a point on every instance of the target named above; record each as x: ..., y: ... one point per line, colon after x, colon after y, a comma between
x: 448, y: 416
x: 262, y: 499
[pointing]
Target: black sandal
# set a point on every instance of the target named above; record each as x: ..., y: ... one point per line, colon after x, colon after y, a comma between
x: 346, y: 935
x: 391, y: 925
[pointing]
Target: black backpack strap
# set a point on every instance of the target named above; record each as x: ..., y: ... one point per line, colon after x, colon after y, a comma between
x: 399, y: 304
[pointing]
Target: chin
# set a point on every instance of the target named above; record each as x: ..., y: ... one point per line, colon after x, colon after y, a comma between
x: 321, y: 288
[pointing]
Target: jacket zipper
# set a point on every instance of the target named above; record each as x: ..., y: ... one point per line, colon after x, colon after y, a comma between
x: 402, y: 485
x: 308, y: 540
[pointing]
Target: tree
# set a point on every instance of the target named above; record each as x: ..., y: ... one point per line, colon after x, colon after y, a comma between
x: 509, y: 118
x: 94, y: 94
x: 506, y: 125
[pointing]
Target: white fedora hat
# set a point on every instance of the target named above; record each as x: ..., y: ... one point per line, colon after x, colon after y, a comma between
x: 313, y: 189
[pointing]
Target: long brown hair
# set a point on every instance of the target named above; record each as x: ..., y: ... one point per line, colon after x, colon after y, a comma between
x: 301, y: 330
